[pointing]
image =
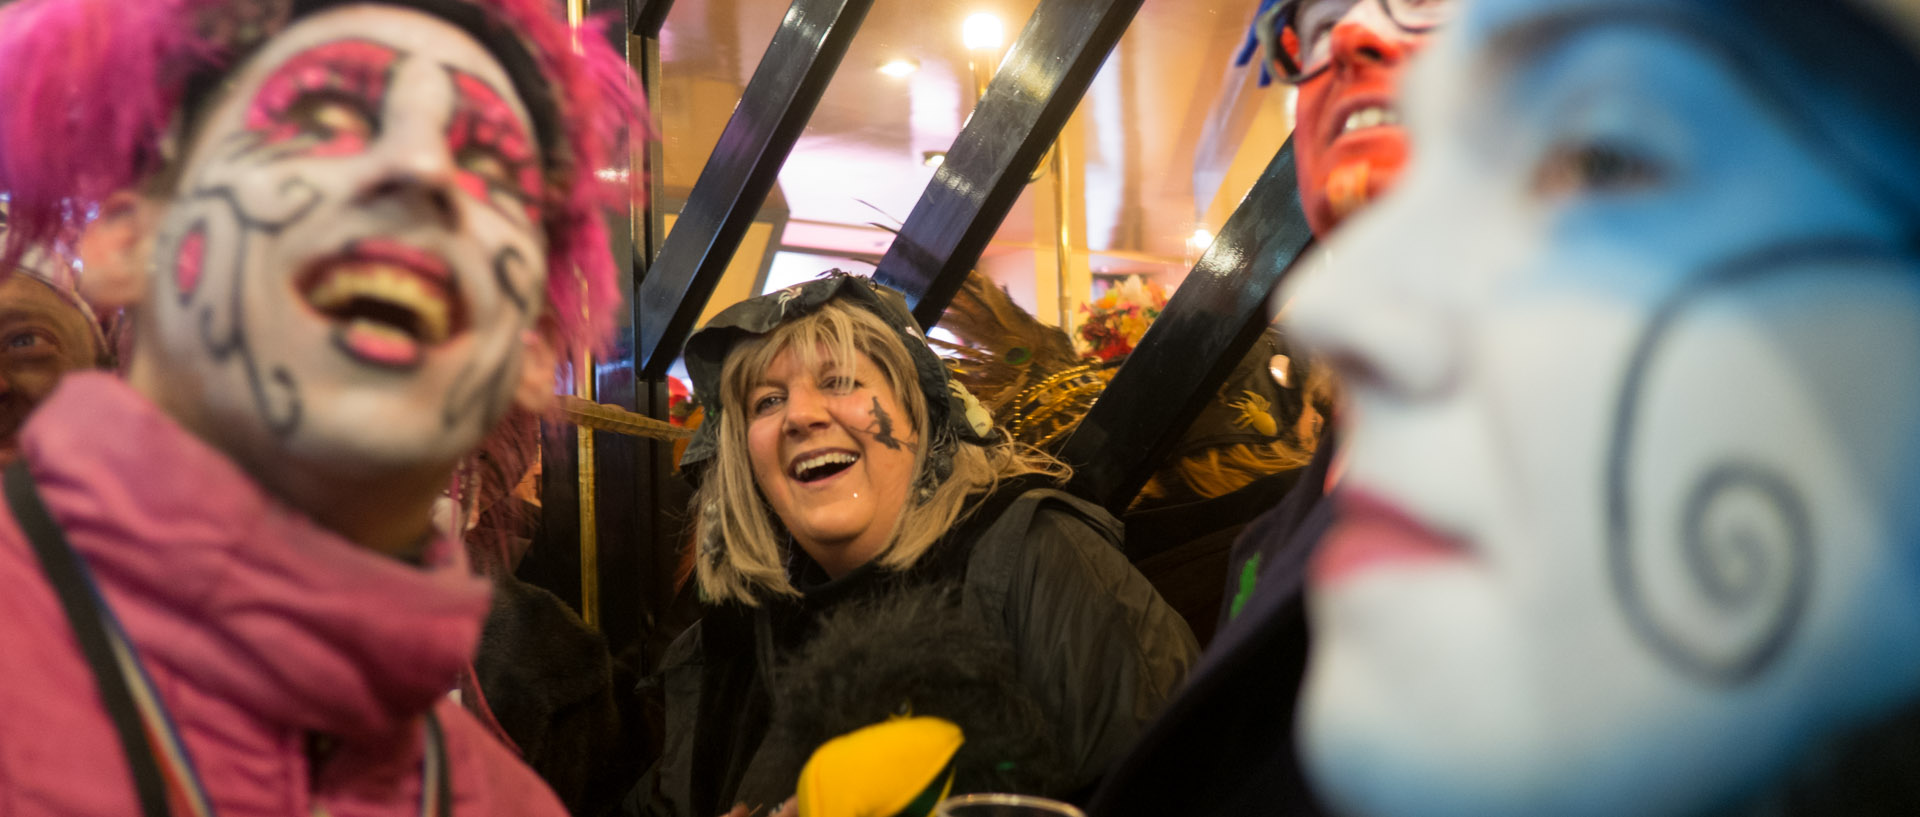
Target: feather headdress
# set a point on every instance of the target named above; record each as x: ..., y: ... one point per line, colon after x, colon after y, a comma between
x: 1004, y: 351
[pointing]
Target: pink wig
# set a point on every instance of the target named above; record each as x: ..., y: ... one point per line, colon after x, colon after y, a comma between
x: 95, y: 86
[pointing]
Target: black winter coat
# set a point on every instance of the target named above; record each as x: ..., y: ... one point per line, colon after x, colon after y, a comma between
x: 1092, y: 643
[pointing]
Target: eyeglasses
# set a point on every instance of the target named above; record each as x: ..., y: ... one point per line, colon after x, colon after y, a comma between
x: 1312, y: 22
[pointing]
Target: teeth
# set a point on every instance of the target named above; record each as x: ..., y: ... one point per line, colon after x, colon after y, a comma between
x: 392, y: 285
x: 1370, y: 117
x: 830, y: 458
x: 387, y: 331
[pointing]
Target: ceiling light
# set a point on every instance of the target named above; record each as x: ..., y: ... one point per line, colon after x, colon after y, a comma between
x: 983, y: 31
x: 1201, y: 239
x: 933, y: 158
x: 900, y: 67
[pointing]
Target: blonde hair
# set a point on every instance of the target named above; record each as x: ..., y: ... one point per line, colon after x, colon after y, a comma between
x: 746, y: 560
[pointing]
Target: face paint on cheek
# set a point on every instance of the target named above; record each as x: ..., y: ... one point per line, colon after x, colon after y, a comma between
x: 190, y: 260
x: 205, y: 250
x: 493, y: 150
x: 328, y: 97
x: 1346, y: 187
x: 883, y: 428
x: 479, y: 388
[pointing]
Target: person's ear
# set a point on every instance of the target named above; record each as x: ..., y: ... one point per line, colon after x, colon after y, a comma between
x: 113, y: 251
x: 534, y: 392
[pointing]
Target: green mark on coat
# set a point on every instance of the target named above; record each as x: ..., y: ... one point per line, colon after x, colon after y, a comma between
x: 1248, y: 572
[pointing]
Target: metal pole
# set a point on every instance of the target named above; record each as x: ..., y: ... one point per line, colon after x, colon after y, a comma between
x: 1063, y: 233
x: 589, y: 485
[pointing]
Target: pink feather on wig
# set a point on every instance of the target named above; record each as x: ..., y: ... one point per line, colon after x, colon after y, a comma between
x: 95, y: 87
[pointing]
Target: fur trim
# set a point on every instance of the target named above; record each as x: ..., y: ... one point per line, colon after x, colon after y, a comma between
x: 916, y: 652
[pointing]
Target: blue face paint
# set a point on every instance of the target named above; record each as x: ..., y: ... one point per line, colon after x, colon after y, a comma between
x: 1632, y: 357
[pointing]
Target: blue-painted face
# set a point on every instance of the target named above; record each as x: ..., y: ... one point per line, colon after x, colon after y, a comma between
x: 1632, y: 357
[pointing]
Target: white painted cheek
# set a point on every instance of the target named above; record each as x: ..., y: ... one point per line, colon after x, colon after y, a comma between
x: 1400, y: 711
x: 1808, y: 380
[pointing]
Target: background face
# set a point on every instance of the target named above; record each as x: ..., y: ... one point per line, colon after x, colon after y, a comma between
x: 1348, y: 140
x: 43, y: 335
x: 1626, y: 516
x: 353, y: 254
x: 833, y: 453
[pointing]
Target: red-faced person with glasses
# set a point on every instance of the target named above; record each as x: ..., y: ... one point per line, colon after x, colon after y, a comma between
x: 1346, y: 57
x: 1225, y: 745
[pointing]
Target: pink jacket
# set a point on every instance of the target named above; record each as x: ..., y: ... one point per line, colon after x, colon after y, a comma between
x: 258, y: 628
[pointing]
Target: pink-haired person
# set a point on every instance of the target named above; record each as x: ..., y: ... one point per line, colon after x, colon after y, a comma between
x: 355, y: 236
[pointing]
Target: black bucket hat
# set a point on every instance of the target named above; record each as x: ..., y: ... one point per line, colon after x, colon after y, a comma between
x: 953, y: 412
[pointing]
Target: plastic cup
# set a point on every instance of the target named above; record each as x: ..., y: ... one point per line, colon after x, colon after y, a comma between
x: 1004, y: 805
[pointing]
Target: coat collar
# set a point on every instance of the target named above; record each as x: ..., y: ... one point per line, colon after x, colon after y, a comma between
x: 236, y: 593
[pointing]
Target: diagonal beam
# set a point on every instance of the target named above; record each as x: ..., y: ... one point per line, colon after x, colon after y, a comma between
x: 1033, y: 93
x: 775, y: 107
x: 645, y: 17
x: 1214, y: 317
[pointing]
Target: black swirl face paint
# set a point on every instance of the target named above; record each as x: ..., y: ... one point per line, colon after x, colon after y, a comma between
x: 1744, y: 540
x: 478, y: 391
x: 275, y: 389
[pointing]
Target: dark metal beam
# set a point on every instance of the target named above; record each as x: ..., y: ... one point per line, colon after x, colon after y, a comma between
x: 645, y: 17
x: 775, y: 107
x: 1036, y: 89
x: 1213, y: 317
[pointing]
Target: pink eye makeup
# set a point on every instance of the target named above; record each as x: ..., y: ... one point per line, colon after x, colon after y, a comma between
x: 331, y: 94
x: 493, y: 151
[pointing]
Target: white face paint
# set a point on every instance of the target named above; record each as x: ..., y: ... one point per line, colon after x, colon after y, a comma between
x: 352, y: 256
x: 1627, y: 518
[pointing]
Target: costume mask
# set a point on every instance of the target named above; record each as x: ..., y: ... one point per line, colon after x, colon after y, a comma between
x: 1347, y: 57
x: 1631, y: 355
x: 354, y: 253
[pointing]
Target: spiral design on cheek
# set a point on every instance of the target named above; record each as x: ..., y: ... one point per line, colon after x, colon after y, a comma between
x: 1742, y: 524
x: 1735, y: 586
x: 1721, y: 598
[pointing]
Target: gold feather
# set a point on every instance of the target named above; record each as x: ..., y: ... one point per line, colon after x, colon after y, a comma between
x: 1005, y: 350
x: 602, y: 417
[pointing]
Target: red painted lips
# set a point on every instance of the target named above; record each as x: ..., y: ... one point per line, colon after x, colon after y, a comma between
x: 1371, y: 533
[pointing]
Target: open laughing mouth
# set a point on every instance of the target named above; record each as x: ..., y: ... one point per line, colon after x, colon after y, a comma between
x: 1360, y: 113
x: 816, y: 466
x: 388, y: 303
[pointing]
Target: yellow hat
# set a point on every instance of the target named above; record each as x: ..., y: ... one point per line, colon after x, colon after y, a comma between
x: 896, y: 768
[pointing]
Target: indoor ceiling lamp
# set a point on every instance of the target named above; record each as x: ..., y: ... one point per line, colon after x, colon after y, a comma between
x: 933, y: 158
x: 984, y: 36
x: 900, y: 67
x: 1198, y: 243
x: 983, y: 32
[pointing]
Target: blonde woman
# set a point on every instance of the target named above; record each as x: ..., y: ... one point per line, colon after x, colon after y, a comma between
x: 840, y: 466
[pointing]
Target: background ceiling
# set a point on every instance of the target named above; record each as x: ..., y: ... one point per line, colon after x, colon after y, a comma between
x: 1161, y: 145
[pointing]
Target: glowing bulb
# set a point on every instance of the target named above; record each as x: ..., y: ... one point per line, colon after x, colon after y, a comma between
x: 933, y: 158
x: 982, y: 31
x: 900, y: 67
x: 1202, y: 239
